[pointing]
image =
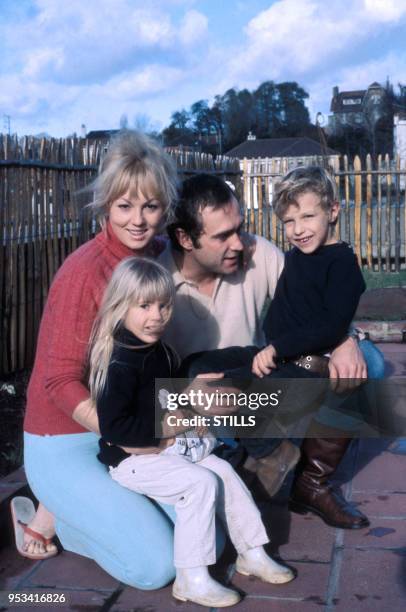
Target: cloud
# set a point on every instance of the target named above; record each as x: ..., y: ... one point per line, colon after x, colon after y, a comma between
x: 193, y: 28
x: 73, y: 62
x: 75, y: 54
x: 298, y: 37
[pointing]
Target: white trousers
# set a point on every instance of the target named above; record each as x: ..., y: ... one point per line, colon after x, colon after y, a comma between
x: 198, y: 491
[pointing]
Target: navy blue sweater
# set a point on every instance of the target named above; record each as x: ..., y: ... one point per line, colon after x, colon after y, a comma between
x: 315, y: 300
x: 125, y: 407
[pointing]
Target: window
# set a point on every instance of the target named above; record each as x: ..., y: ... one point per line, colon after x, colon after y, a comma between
x: 351, y: 101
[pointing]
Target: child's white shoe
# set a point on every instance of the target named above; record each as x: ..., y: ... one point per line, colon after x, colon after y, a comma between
x: 195, y: 584
x: 255, y: 562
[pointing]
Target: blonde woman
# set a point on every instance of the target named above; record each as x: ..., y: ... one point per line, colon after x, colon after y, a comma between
x: 122, y: 532
x: 126, y: 358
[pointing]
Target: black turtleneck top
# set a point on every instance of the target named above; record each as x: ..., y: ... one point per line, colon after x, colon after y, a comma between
x: 315, y: 301
x: 125, y: 407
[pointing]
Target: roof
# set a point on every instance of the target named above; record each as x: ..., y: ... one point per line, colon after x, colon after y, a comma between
x: 338, y: 105
x: 101, y: 134
x: 279, y: 147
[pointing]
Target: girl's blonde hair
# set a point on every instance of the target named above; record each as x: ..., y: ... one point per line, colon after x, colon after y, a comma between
x: 137, y: 163
x: 136, y: 280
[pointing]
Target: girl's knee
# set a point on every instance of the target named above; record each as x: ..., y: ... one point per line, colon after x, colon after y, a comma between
x: 206, y: 483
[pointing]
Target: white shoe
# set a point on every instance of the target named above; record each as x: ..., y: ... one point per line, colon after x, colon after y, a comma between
x: 255, y: 562
x: 195, y: 584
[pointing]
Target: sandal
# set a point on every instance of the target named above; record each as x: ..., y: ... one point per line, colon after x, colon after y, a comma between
x: 22, y: 513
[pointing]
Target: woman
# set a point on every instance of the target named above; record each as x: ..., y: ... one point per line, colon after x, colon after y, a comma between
x: 94, y: 516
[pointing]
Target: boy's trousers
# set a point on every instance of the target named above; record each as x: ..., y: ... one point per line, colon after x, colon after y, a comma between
x: 197, y: 491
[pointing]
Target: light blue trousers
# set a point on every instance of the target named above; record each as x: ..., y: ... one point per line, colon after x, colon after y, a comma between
x: 127, y: 534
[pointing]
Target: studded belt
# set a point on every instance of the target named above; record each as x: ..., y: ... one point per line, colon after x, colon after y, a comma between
x: 318, y: 364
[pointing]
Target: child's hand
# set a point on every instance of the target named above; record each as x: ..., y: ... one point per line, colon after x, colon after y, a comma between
x: 202, y: 431
x: 264, y: 361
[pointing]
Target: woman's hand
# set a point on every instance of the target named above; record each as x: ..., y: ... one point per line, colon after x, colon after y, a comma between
x: 264, y: 361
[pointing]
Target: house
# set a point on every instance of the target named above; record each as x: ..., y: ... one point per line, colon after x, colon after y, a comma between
x: 271, y: 158
x: 101, y: 134
x: 361, y: 108
x: 300, y: 149
x: 399, y: 135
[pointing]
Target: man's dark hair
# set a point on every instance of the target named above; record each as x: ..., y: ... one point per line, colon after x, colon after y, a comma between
x: 196, y: 193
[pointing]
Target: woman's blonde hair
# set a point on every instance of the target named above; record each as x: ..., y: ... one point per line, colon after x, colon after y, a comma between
x: 136, y: 280
x: 137, y: 163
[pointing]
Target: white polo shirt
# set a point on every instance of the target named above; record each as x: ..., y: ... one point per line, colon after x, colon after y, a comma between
x: 231, y: 316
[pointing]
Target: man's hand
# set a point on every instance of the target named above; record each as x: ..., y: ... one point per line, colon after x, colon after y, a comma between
x: 215, y: 407
x: 264, y: 361
x: 347, y: 366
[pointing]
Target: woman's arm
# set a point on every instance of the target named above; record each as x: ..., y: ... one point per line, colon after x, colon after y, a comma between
x: 85, y: 414
x: 64, y: 338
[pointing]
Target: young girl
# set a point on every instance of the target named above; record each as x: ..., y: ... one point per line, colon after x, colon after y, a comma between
x: 126, y: 357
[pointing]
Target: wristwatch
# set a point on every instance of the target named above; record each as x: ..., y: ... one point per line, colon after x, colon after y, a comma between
x: 356, y: 333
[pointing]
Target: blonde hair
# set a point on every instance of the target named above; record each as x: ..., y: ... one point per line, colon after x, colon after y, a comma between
x: 304, y: 179
x: 137, y: 163
x: 135, y: 280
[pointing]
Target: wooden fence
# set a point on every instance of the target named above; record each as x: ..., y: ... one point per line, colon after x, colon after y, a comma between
x: 372, y: 197
x: 43, y: 219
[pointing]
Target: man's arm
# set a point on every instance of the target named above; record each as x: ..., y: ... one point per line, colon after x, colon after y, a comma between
x: 347, y: 361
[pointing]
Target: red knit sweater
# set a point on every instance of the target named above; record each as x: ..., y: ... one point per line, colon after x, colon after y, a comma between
x: 58, y: 381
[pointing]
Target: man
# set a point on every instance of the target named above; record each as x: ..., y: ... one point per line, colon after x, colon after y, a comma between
x: 219, y: 304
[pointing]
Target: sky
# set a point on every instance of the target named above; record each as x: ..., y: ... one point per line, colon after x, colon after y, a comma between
x: 64, y: 63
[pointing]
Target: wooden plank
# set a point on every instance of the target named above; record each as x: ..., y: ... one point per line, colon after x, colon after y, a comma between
x: 369, y: 213
x: 357, y: 209
x: 347, y: 211
x: 3, y: 196
x: 267, y: 183
x: 274, y: 219
x: 260, y: 227
x: 388, y: 214
x: 336, y: 177
x: 379, y: 213
x: 252, y: 200
x: 246, y: 193
x: 15, y: 211
x: 30, y: 326
x: 397, y: 215
x: 8, y: 189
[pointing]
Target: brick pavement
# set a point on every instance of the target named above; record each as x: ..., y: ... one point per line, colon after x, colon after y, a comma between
x: 337, y: 570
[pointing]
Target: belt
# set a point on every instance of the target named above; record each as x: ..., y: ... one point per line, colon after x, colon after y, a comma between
x: 318, y: 364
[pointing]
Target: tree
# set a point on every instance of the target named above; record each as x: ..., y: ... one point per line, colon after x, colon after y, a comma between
x: 123, y: 122
x: 271, y: 110
x: 179, y: 131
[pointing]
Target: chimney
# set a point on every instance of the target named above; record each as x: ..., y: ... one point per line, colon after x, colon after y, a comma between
x: 335, y: 91
x: 251, y: 136
x: 83, y: 131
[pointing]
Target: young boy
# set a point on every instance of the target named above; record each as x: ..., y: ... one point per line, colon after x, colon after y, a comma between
x: 319, y: 289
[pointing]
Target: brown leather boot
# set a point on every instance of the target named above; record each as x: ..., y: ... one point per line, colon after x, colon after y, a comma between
x: 311, y: 491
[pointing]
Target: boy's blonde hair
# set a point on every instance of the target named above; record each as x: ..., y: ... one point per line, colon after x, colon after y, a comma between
x: 136, y: 280
x: 137, y: 163
x: 304, y: 179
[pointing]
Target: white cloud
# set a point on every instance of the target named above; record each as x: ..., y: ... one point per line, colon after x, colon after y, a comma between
x: 295, y: 37
x: 193, y: 27
x: 385, y: 10
x: 77, y: 55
